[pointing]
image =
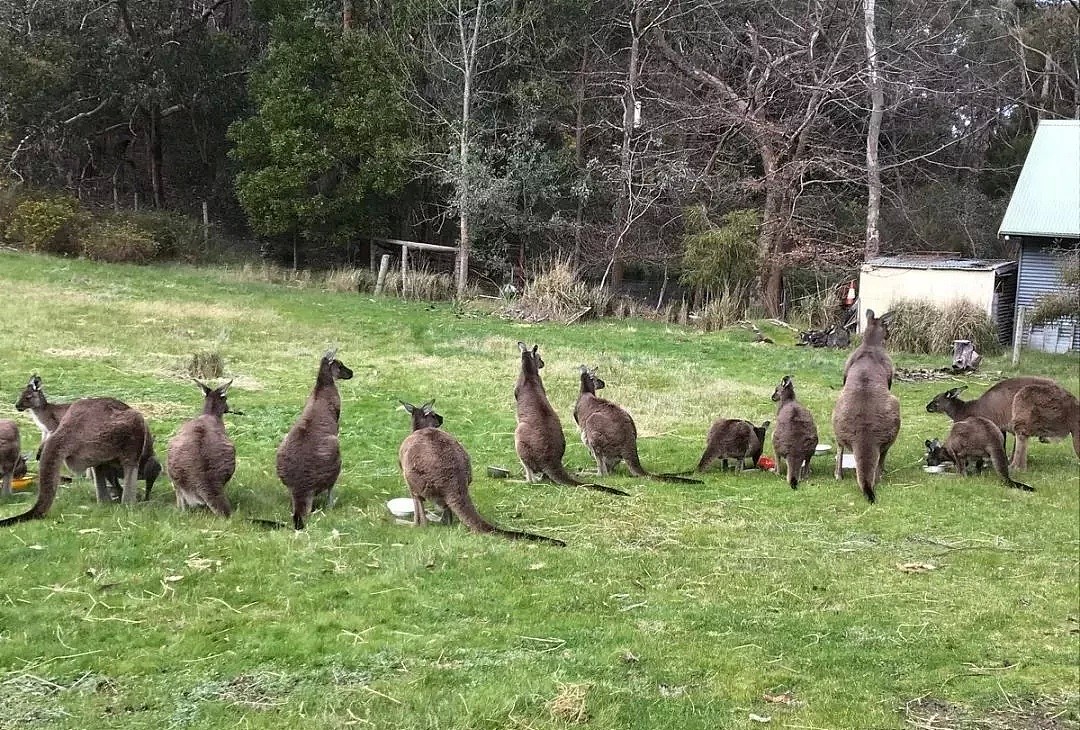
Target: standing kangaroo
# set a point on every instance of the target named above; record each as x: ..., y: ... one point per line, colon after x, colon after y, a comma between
x: 609, y: 432
x: 437, y: 468
x: 47, y: 417
x: 202, y: 458
x: 866, y: 419
x: 795, y: 437
x: 94, y: 431
x: 309, y: 459
x: 9, y: 454
x: 538, y: 438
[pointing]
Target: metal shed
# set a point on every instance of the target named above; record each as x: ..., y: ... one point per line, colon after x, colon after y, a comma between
x: 941, y: 279
x: 1044, y: 217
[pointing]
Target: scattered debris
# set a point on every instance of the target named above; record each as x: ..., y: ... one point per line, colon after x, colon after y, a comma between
x: 760, y: 718
x: 784, y: 698
x: 965, y: 358
x: 667, y: 690
x: 569, y: 704
x: 759, y: 336
x: 929, y: 713
x: 835, y: 336
x: 915, y: 567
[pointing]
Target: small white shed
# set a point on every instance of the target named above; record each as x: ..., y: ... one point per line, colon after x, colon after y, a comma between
x: 941, y: 279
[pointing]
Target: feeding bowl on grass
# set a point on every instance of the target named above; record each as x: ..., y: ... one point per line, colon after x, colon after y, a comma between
x: 21, y: 483
x: 936, y: 469
x: 402, y: 508
x: 497, y: 472
x: 822, y: 449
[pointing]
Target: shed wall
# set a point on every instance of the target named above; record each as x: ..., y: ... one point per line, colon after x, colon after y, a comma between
x: 881, y: 286
x: 1040, y: 274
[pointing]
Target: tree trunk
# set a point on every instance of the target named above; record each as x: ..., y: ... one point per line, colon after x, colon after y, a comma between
x: 624, y: 208
x: 346, y: 14
x: 468, y: 69
x: 873, y: 133
x: 771, y: 237
x: 157, y: 183
x: 579, y: 153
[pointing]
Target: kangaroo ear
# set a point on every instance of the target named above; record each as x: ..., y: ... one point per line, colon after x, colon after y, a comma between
x: 409, y: 407
x: 428, y: 407
x: 786, y: 381
x: 536, y: 348
x: 886, y: 319
x: 953, y: 392
x: 522, y: 346
x: 223, y: 389
x: 583, y: 369
x: 869, y: 315
x: 765, y: 425
x: 35, y: 382
x: 330, y: 355
x: 929, y: 444
x: 205, y: 388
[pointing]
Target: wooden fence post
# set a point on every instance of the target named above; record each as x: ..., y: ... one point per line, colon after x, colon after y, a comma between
x: 1018, y: 333
x: 384, y: 267
x: 205, y: 224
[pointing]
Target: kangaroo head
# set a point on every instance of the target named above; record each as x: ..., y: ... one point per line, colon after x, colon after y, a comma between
x: 590, y: 381
x: 935, y: 453
x: 423, y: 416
x: 760, y: 430
x: 32, y: 395
x: 334, y: 367
x: 943, y: 401
x: 877, y: 328
x: 215, y: 401
x: 531, y: 362
x: 785, y: 390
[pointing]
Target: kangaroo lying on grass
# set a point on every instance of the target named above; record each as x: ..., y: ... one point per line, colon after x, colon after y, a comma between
x: 609, y: 433
x: 94, y: 431
x: 47, y: 417
x: 973, y: 438
x: 9, y: 454
x: 538, y: 438
x: 1045, y: 410
x: 309, y: 459
x: 795, y: 437
x: 733, y: 438
x: 437, y: 468
x: 866, y: 419
x: 201, y: 456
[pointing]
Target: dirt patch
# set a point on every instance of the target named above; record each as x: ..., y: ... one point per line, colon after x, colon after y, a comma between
x: 930, y: 713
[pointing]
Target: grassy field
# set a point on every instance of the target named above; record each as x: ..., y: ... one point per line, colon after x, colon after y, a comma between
x: 734, y: 604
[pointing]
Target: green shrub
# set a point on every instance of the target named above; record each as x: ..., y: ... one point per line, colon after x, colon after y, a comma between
x: 725, y: 308
x: 118, y: 241
x: 721, y: 256
x: 53, y: 225
x: 176, y: 236
x: 921, y: 327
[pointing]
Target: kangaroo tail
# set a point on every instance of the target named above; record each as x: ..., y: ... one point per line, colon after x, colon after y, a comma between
x: 794, y: 466
x: 268, y: 524
x: 464, y: 509
x: 866, y: 467
x: 48, y: 480
x: 635, y: 467
x: 1001, y: 466
x: 513, y: 535
x: 559, y: 475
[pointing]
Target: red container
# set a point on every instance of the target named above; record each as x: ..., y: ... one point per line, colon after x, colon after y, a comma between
x: 766, y: 463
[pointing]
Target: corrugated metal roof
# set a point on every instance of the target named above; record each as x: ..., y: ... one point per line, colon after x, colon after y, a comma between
x: 916, y: 261
x: 1046, y: 201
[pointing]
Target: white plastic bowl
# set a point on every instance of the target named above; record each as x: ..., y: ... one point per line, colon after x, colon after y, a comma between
x: 937, y: 469
x: 401, y: 507
x: 822, y: 448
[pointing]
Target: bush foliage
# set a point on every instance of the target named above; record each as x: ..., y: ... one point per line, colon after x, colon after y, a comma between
x: 48, y: 225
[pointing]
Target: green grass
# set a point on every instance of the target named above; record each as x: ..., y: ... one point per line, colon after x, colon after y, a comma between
x: 678, y: 607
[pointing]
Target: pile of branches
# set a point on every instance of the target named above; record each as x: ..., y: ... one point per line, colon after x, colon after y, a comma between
x: 835, y: 336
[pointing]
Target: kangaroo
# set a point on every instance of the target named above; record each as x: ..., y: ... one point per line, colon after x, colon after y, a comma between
x: 733, y: 438
x: 995, y: 404
x: 309, y: 459
x: 866, y: 419
x: 9, y: 454
x: 795, y: 437
x: 437, y: 468
x: 974, y: 438
x: 47, y: 416
x: 538, y: 438
x: 871, y: 351
x: 94, y: 431
x: 609, y: 432
x: 202, y: 458
x: 1045, y: 410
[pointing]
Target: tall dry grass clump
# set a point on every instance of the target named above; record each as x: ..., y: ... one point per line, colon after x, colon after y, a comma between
x: 556, y: 294
x: 922, y: 327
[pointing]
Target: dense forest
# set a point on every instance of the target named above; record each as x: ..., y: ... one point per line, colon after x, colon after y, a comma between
x: 729, y: 143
